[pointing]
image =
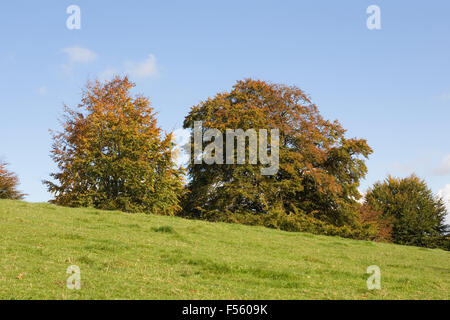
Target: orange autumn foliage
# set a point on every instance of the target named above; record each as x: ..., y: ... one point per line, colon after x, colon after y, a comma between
x: 319, y: 168
x: 375, y: 219
x: 8, y: 184
x: 112, y: 155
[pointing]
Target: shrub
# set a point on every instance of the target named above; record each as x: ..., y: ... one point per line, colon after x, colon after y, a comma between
x: 277, y: 218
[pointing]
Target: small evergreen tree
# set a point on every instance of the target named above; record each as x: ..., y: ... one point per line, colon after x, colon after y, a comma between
x: 112, y: 155
x: 415, y: 214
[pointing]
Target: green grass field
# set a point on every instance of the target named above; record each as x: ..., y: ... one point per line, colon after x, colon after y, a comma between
x: 126, y: 256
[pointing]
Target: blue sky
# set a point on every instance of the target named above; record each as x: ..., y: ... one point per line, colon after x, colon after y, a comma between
x: 389, y: 86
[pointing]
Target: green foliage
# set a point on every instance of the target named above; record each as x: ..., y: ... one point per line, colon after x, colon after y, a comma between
x: 200, y: 261
x: 441, y: 242
x: 164, y: 229
x: 416, y: 215
x: 112, y: 155
x: 278, y: 219
x: 319, y: 168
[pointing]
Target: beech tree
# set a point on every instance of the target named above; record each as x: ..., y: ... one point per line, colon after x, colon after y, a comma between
x: 112, y: 155
x: 319, y: 168
x: 375, y: 219
x: 8, y: 184
x: 415, y: 214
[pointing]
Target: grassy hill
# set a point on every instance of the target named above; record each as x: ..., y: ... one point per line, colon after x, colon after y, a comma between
x: 125, y: 256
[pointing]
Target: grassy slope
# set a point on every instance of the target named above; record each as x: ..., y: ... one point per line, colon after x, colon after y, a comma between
x: 124, y: 256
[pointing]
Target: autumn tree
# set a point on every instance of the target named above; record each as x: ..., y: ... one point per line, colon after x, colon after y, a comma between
x: 416, y: 215
x: 319, y: 168
x: 382, y: 229
x: 8, y: 184
x: 112, y: 155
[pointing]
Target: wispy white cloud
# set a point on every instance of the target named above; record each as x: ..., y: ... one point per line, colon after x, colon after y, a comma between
x: 445, y: 96
x: 77, y: 55
x: 142, y: 69
x: 107, y: 74
x: 42, y: 91
x: 444, y: 168
x: 11, y: 58
x: 413, y: 165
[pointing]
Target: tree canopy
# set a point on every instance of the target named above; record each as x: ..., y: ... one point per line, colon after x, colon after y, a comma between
x: 415, y: 213
x: 319, y: 168
x: 112, y: 155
